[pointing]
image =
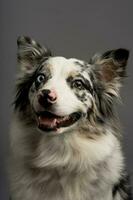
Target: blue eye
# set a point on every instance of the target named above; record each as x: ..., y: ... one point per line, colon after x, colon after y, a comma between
x: 40, y: 78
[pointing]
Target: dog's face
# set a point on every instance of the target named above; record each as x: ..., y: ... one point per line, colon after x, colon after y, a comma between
x: 61, y: 93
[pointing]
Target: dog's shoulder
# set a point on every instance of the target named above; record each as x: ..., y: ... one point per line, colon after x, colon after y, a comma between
x: 123, y: 187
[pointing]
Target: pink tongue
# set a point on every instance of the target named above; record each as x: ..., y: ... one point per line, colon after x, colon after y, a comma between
x: 47, y: 122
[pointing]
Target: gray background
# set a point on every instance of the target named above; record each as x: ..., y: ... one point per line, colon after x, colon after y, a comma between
x: 72, y: 29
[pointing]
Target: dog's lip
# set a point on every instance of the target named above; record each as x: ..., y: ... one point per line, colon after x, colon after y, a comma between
x: 48, y: 121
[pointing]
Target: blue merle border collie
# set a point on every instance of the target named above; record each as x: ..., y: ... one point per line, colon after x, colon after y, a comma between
x: 65, y: 136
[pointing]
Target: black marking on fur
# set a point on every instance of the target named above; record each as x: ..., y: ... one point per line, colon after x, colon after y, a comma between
x: 120, y: 55
x: 69, y: 79
x: 80, y: 64
x: 104, y: 100
x: 21, y: 100
x: 86, y: 82
x: 105, y: 105
x: 114, y: 63
x: 83, y: 65
x: 82, y: 94
x: 25, y: 84
x: 89, y: 112
x: 88, y: 86
x: 31, y: 51
x: 92, y: 77
x: 123, y: 188
x: 100, y: 120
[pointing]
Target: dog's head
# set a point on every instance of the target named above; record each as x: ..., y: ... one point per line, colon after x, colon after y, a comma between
x: 59, y: 94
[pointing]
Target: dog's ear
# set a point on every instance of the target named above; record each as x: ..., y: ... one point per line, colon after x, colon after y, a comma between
x: 30, y: 53
x: 111, y: 64
x: 110, y: 67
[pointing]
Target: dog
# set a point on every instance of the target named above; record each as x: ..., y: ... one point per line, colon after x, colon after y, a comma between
x: 65, y: 138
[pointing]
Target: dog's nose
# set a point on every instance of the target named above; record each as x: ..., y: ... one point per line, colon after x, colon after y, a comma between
x: 47, y: 97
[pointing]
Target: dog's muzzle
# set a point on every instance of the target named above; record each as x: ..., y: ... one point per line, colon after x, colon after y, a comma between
x: 47, y: 98
x: 48, y: 121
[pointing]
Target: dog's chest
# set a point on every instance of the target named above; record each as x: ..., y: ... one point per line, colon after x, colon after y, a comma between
x: 77, y: 186
x: 58, y: 186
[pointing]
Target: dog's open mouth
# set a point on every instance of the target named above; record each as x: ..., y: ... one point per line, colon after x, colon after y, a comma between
x: 48, y: 121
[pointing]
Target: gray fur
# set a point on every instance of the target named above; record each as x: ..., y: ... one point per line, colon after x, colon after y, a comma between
x: 84, y: 161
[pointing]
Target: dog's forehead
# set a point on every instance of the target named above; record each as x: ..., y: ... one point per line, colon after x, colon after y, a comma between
x: 64, y: 66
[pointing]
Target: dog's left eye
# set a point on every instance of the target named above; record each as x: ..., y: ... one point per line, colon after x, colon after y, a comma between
x: 78, y: 84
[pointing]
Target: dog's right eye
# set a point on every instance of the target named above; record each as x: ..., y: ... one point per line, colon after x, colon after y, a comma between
x: 40, y: 78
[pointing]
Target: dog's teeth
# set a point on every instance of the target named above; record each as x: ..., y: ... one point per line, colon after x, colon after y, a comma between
x: 38, y: 120
x: 58, y: 121
x: 55, y: 122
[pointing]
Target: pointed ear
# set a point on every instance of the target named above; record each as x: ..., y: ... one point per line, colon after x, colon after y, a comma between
x: 111, y: 65
x: 109, y: 69
x: 30, y: 53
